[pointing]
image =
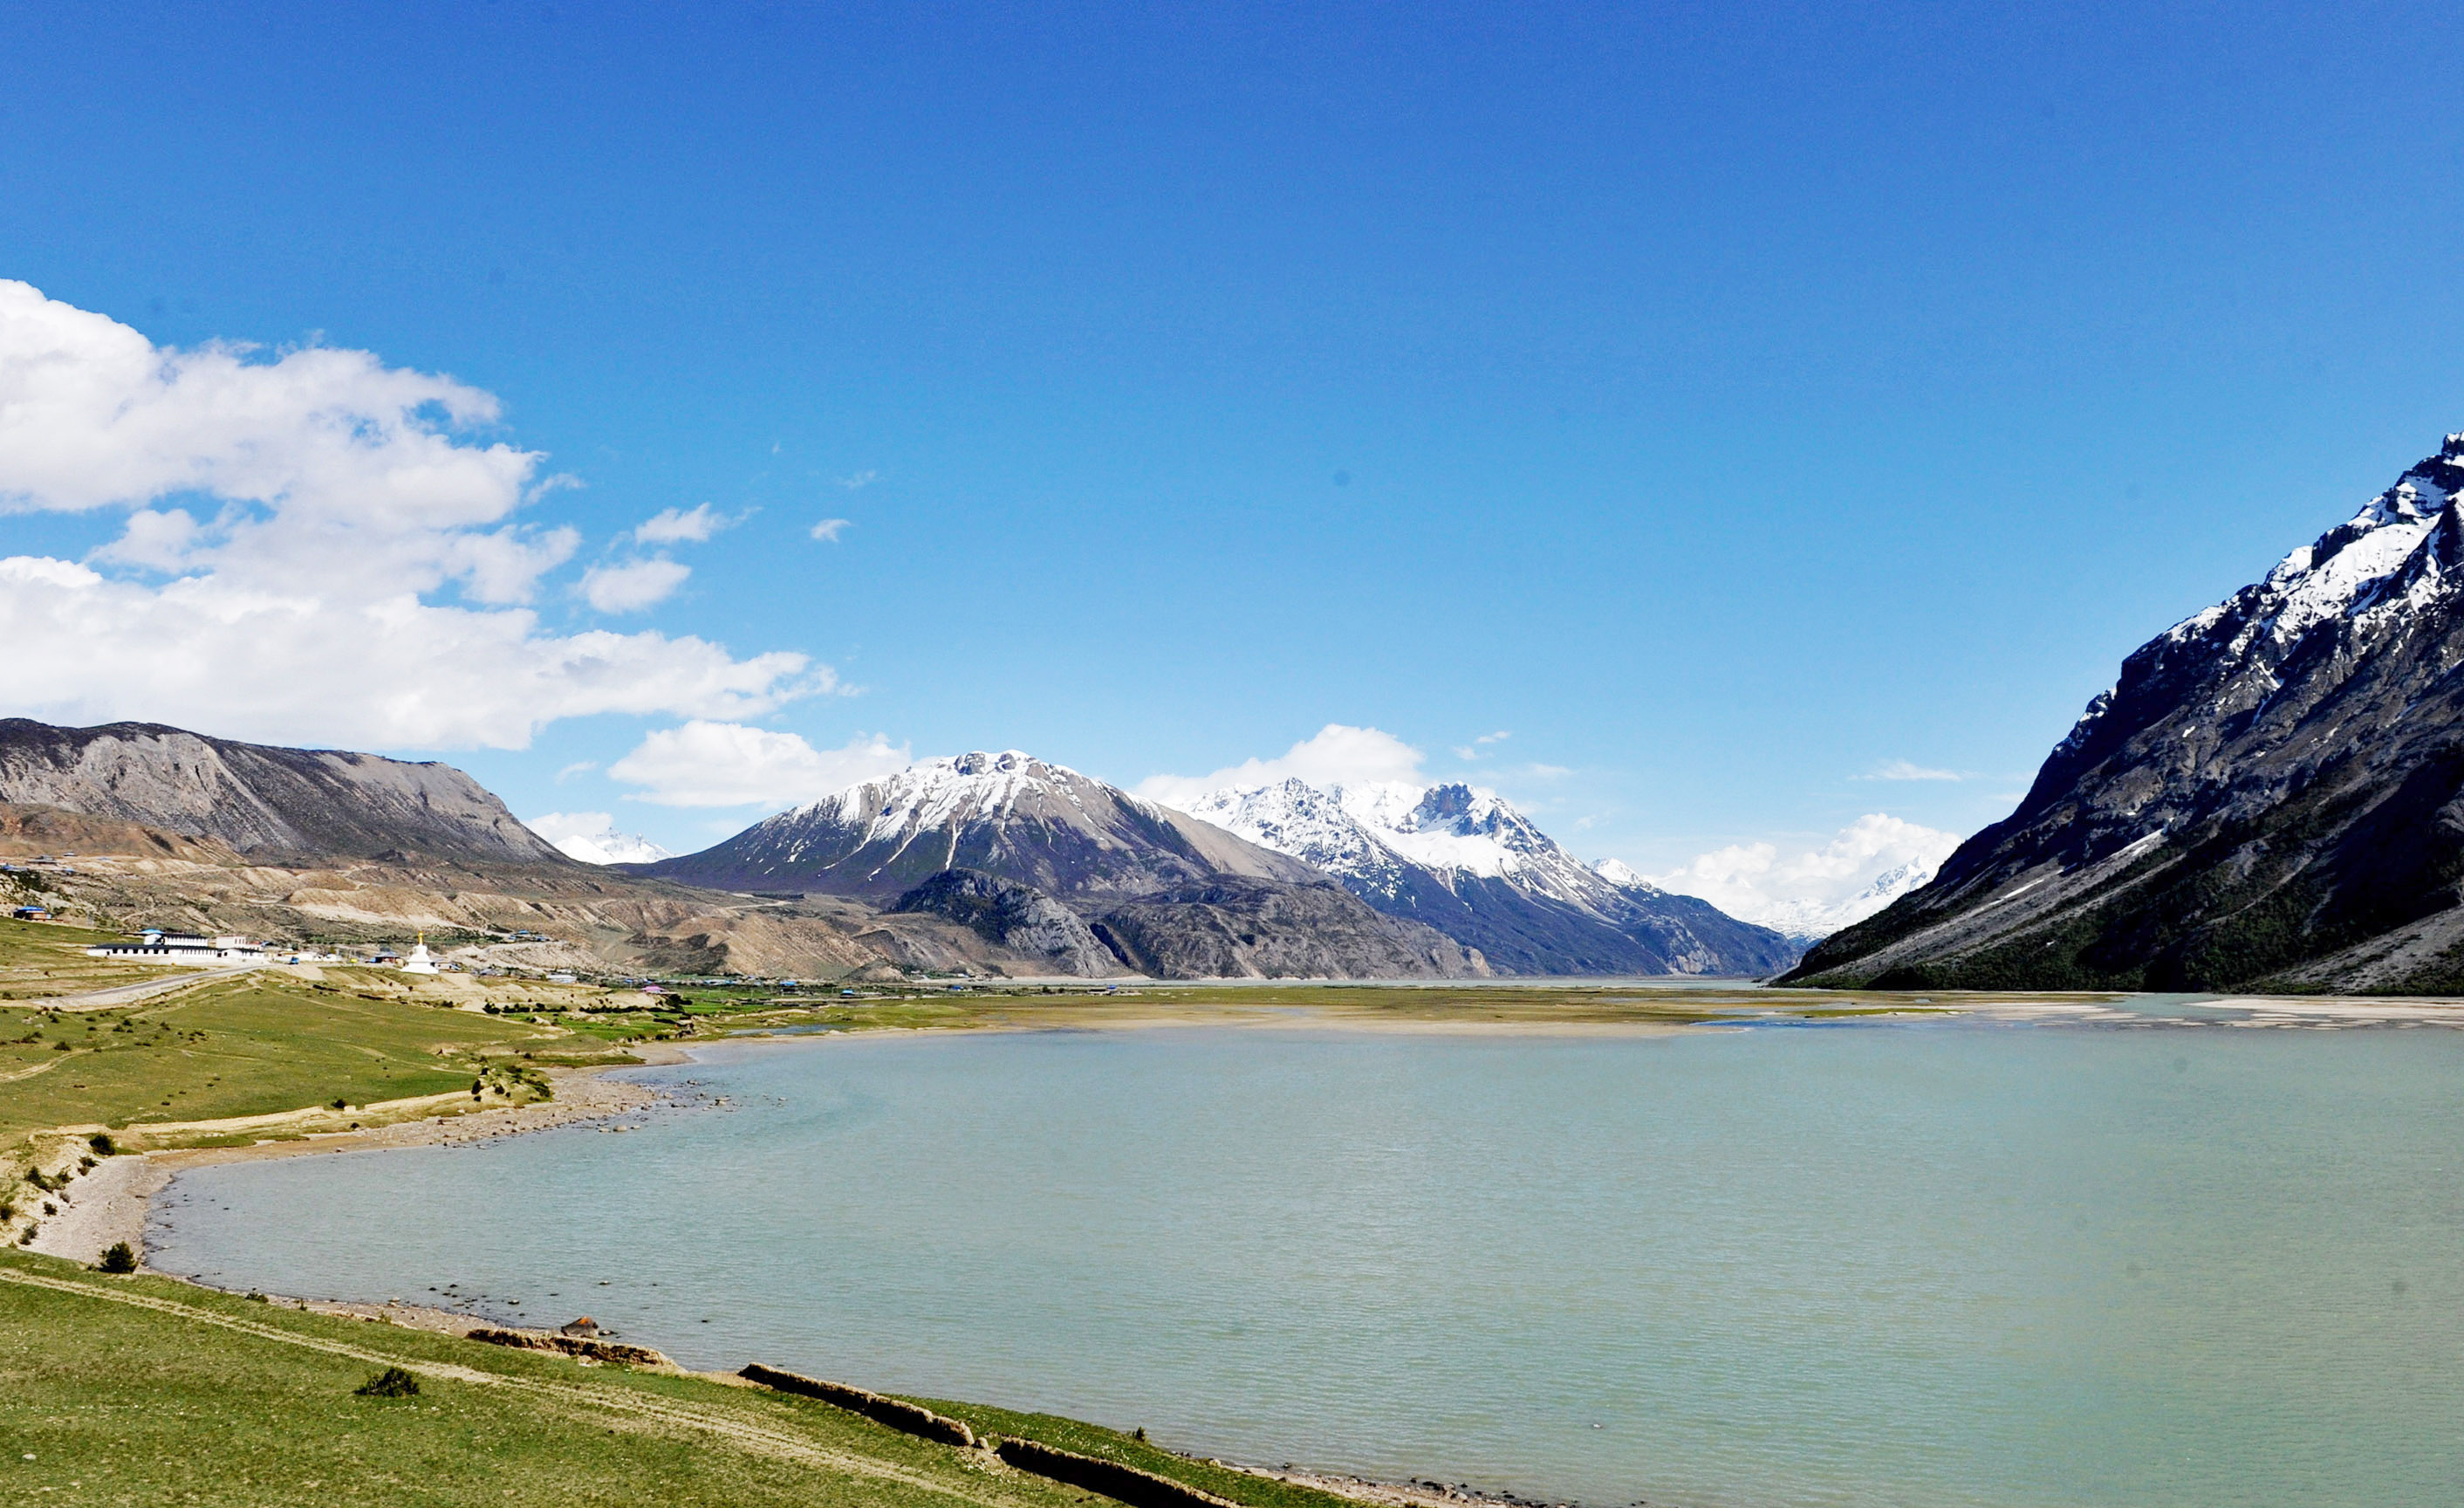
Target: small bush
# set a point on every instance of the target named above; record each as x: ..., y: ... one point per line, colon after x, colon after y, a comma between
x: 118, y: 1257
x: 391, y: 1383
x: 102, y: 1145
x: 342, y: 1105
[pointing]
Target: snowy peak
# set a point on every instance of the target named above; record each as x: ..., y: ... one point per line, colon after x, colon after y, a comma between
x: 1008, y: 813
x: 1369, y: 835
x: 933, y: 792
x: 1624, y: 876
x: 1467, y: 862
x: 591, y: 837
x: 2358, y: 584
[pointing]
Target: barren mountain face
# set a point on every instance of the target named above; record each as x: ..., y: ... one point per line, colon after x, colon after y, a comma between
x: 263, y: 801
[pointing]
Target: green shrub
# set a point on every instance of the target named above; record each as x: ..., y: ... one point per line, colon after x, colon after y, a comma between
x: 118, y: 1257
x: 391, y: 1383
x: 102, y: 1145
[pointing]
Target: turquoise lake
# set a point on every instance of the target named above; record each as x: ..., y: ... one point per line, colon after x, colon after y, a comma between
x: 1923, y: 1264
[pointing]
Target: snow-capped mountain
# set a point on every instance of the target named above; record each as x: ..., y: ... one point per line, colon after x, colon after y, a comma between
x: 2268, y: 792
x: 1007, y: 814
x: 1165, y: 892
x: 591, y: 836
x: 1469, y: 864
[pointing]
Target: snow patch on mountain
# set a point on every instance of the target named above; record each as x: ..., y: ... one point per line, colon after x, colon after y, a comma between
x: 591, y: 836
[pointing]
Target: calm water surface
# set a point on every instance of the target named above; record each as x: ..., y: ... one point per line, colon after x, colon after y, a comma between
x: 1938, y: 1264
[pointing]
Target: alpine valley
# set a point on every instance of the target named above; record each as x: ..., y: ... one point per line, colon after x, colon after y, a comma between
x: 985, y: 863
x: 2272, y: 795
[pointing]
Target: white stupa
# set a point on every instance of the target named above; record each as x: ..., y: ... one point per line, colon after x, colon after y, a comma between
x: 419, y: 963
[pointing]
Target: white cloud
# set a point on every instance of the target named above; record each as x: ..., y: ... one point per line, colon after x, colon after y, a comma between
x: 860, y: 480
x: 1338, y: 755
x: 1815, y: 892
x: 305, y: 508
x: 1499, y: 737
x: 675, y: 526
x: 828, y: 530
x: 1472, y: 751
x: 580, y: 766
x: 1903, y: 769
x: 634, y: 586
x: 706, y: 763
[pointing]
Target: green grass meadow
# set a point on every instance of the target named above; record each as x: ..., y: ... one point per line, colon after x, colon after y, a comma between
x: 211, y: 1399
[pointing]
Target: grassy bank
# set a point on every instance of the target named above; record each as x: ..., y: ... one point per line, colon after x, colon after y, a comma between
x: 40, y: 959
x: 250, y: 1046
x: 139, y: 1390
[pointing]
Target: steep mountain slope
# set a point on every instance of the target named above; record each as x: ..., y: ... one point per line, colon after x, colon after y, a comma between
x: 1019, y: 917
x: 1240, y: 928
x: 1205, y: 900
x: 2271, y: 792
x: 262, y: 801
x: 1471, y: 866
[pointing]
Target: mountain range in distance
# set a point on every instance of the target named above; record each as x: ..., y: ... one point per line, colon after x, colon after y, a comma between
x: 1480, y: 892
x: 991, y: 862
x: 2269, y: 796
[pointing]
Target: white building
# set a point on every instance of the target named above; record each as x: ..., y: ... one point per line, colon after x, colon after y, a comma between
x: 181, y: 947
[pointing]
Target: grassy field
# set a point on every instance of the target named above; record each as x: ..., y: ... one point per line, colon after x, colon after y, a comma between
x: 144, y: 1392
x: 253, y: 1045
x: 41, y: 959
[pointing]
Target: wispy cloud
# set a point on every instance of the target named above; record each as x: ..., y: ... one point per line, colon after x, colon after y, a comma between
x: 1471, y: 750
x: 580, y: 766
x: 634, y: 585
x: 828, y: 530
x: 1903, y: 770
x: 676, y: 526
x: 860, y: 480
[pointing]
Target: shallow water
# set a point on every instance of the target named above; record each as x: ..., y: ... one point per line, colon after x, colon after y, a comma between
x: 1947, y: 1263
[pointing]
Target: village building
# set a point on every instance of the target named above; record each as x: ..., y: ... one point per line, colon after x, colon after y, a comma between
x: 155, y: 945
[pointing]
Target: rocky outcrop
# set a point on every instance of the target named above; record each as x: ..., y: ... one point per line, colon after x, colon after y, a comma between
x: 897, y: 1413
x: 1238, y: 928
x: 2272, y: 794
x: 1019, y: 917
x: 263, y: 801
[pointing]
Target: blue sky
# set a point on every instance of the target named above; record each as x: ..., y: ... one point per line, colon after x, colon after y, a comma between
x: 1731, y: 403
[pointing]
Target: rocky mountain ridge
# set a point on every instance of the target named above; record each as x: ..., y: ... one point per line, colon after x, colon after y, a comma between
x: 1157, y: 888
x: 2272, y: 794
x: 1003, y: 813
x: 263, y: 801
x: 1468, y: 864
